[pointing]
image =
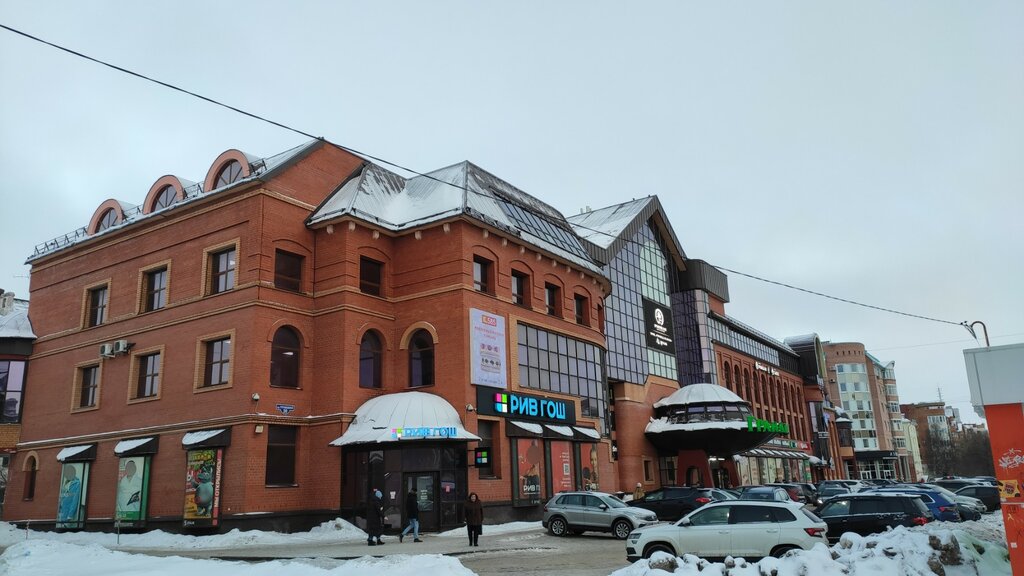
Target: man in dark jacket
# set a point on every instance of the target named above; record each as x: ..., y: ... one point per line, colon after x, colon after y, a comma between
x: 474, y: 518
x: 375, y: 518
x: 412, y: 512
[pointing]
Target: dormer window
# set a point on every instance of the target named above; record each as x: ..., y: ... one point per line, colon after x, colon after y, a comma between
x: 167, y: 196
x: 229, y: 174
x: 109, y: 219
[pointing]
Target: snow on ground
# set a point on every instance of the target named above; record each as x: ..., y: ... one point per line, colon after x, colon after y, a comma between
x: 495, y: 529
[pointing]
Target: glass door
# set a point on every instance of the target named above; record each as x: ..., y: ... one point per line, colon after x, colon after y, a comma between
x: 425, y: 485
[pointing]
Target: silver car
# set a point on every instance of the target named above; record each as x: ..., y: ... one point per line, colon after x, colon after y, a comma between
x: 578, y: 512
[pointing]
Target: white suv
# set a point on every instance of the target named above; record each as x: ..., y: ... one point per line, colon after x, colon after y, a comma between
x: 749, y: 529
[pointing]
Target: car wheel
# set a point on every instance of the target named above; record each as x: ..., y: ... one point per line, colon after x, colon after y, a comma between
x: 621, y: 529
x: 658, y: 547
x: 780, y: 551
x: 558, y: 527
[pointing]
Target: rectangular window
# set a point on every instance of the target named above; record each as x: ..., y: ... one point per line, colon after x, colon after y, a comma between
x: 12, y: 380
x: 88, y: 386
x: 288, y: 271
x: 552, y: 300
x: 148, y: 384
x: 482, y: 270
x: 156, y: 290
x: 648, y: 471
x: 222, y: 270
x: 582, y: 309
x: 370, y: 275
x: 281, y: 455
x: 485, y: 430
x: 520, y: 289
x: 98, y: 300
x: 218, y: 362
x: 667, y: 469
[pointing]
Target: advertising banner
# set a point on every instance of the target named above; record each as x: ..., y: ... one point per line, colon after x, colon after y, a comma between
x: 562, y: 478
x: 202, y: 487
x: 132, y: 491
x: 487, y: 358
x: 74, y: 480
x: 531, y: 470
x: 658, y: 326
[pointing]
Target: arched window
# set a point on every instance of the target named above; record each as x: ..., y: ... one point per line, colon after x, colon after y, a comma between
x: 109, y: 219
x: 231, y: 172
x: 30, y: 478
x: 370, y: 355
x: 421, y: 360
x: 736, y: 379
x: 167, y: 196
x: 728, y: 376
x: 284, y: 358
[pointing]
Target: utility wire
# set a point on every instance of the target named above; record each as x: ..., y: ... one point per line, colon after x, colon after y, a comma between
x: 399, y: 166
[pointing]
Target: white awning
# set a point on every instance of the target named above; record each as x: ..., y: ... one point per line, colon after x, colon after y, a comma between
x: 72, y: 451
x: 527, y: 427
x: 562, y: 430
x: 192, y: 438
x: 128, y: 445
x: 404, y: 417
x: 588, y: 432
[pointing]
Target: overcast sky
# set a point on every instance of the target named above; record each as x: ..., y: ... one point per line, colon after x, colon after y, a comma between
x: 869, y: 150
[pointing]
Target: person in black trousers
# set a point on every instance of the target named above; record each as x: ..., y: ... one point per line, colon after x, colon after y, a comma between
x: 474, y: 518
x: 412, y: 512
x: 374, y: 518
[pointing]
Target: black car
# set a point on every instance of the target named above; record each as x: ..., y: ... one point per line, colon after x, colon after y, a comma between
x: 866, y: 514
x: 987, y: 494
x: 673, y: 502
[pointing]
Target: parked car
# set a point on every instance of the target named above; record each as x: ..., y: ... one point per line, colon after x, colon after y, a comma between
x: 796, y: 493
x: 810, y: 493
x: 943, y: 508
x: 970, y: 508
x: 765, y: 493
x: 741, y: 528
x: 955, y: 484
x: 578, y: 512
x: 989, y: 495
x: 850, y: 486
x: 870, y: 513
x: 827, y: 491
x: 673, y: 502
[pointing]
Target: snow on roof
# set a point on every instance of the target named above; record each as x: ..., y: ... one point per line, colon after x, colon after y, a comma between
x: 699, y: 393
x: 588, y: 432
x: 15, y: 324
x: 658, y: 425
x: 191, y: 438
x: 126, y: 445
x: 601, y: 227
x: 404, y: 416
x: 528, y: 426
x: 563, y: 430
x: 72, y: 451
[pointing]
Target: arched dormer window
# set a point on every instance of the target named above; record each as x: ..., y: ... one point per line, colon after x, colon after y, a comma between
x: 167, y: 196
x: 229, y: 174
x: 284, y: 358
x: 371, y: 355
x: 108, y: 219
x: 421, y: 360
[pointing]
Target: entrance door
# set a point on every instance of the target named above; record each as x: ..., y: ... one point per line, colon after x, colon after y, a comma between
x: 425, y: 485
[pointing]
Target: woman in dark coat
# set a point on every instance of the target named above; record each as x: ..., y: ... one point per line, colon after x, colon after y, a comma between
x: 474, y: 518
x: 374, y: 518
x: 412, y: 512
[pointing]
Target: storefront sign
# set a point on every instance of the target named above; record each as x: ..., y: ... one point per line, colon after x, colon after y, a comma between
x: 757, y: 425
x: 525, y: 407
x: 202, y: 487
x: 482, y: 457
x: 765, y: 368
x: 427, y: 432
x: 487, y: 356
x: 658, y: 326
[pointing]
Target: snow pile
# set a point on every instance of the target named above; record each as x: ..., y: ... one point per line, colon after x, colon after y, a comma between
x: 900, y: 552
x: 333, y: 531
x: 52, y: 558
x: 494, y: 529
x: 989, y: 528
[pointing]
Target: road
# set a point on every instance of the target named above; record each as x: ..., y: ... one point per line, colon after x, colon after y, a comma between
x: 586, y: 555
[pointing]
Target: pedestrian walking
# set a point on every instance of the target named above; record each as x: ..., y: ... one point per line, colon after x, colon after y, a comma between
x: 474, y: 519
x: 412, y: 512
x: 638, y: 492
x: 375, y: 518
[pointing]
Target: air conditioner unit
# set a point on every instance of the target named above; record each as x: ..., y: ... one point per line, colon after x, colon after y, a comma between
x: 107, y: 350
x: 121, y: 346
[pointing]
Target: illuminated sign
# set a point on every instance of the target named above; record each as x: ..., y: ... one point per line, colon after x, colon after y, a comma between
x: 658, y: 326
x: 518, y: 406
x: 765, y: 368
x: 426, y: 432
x: 482, y: 456
x: 757, y: 425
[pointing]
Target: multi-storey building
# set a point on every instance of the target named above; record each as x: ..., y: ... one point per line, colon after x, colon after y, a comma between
x: 16, y: 339
x: 885, y: 380
x: 935, y: 427
x: 300, y: 329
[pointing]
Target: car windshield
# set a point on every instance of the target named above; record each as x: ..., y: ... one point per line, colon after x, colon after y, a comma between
x: 614, y: 502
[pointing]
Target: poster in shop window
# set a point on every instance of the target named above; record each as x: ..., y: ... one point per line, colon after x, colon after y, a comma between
x: 487, y: 349
x: 531, y: 469
x: 74, y: 480
x: 202, y: 487
x: 562, y: 478
x: 132, y: 491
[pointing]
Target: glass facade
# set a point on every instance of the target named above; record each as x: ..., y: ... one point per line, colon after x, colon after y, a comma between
x: 557, y: 363
x: 856, y: 399
x: 639, y: 270
x: 12, y: 382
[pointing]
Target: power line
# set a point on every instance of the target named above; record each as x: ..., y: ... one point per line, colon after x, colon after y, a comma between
x: 943, y: 343
x: 390, y: 163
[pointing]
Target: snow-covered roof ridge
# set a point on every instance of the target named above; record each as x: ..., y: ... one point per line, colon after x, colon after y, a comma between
x: 701, y: 393
x: 603, y: 226
x: 379, y: 419
x: 15, y: 323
